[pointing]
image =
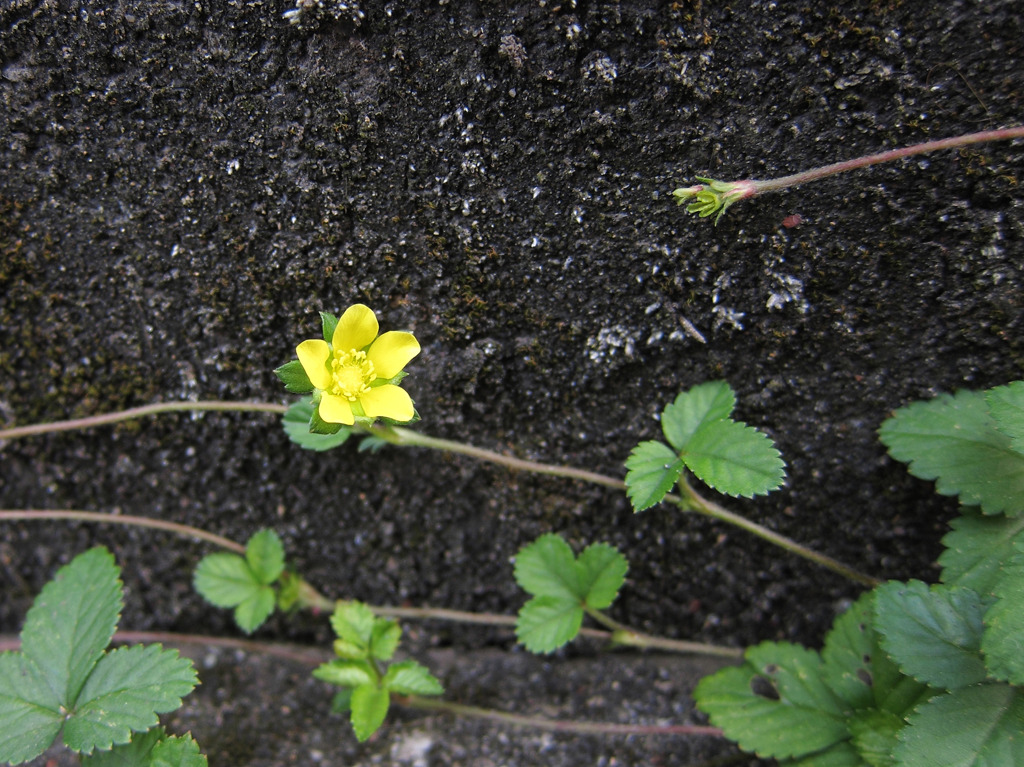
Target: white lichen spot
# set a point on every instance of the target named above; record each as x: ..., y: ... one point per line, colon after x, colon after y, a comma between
x: 788, y: 289
x: 232, y: 166
x: 612, y: 342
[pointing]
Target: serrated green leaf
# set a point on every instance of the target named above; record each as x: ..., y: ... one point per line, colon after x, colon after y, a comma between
x: 933, y: 634
x: 350, y: 650
x: 385, y: 638
x: 125, y: 691
x: 652, y: 470
x: 225, y: 579
x: 296, y: 423
x: 369, y: 708
x: 1006, y: 406
x: 255, y: 609
x: 72, y: 620
x: 708, y: 402
x: 875, y: 735
x: 294, y: 377
x: 265, y: 556
x: 976, y: 548
x: 547, y: 567
x: 602, y: 571
x: 345, y: 673
x: 955, y: 442
x: 135, y: 753
x: 177, y: 751
x: 734, y: 459
x: 30, y: 711
x: 546, y: 623
x: 837, y: 755
x: 775, y: 704
x: 976, y: 726
x: 1003, y: 640
x: 353, y: 622
x: 410, y: 678
x: 329, y: 322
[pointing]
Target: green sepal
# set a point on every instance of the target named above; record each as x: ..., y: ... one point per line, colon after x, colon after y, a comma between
x: 318, y: 425
x: 296, y: 422
x: 329, y: 323
x: 294, y: 377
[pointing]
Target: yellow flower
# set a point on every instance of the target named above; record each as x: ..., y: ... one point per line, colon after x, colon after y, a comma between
x: 353, y: 374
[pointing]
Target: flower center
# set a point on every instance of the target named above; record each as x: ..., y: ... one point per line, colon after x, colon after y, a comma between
x: 352, y: 374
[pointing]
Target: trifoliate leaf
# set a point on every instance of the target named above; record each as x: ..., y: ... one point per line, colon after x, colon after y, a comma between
x: 776, y: 703
x: 954, y: 441
x: 294, y: 377
x: 976, y: 726
x: 124, y: 693
x: 177, y: 751
x: 329, y: 323
x: 296, y: 421
x: 977, y: 547
x: 255, y: 609
x: 547, y: 567
x: 385, y: 637
x: 135, y: 753
x: 602, y: 571
x: 652, y: 471
x: 410, y: 678
x: 708, y: 402
x: 546, y: 623
x: 1004, y: 625
x: 265, y: 556
x: 345, y: 673
x: 369, y: 708
x: 225, y: 580
x: 933, y: 634
x: 1006, y: 406
x: 734, y: 459
x: 353, y: 622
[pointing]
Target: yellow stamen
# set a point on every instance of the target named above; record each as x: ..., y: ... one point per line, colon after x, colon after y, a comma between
x: 352, y: 374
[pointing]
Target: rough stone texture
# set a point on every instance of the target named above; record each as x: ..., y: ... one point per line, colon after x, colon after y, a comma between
x: 186, y: 183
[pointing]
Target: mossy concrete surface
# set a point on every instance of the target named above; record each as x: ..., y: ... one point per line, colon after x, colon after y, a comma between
x: 185, y: 184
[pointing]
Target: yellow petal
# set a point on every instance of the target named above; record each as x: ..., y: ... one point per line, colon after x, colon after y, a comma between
x: 387, y: 401
x: 313, y: 354
x: 335, y: 409
x: 391, y: 352
x: 356, y: 328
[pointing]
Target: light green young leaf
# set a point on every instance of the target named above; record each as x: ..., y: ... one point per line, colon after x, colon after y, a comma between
x: 933, y: 634
x: 546, y: 623
x: 294, y: 378
x: 734, y: 459
x: 177, y: 751
x: 652, y: 470
x: 136, y: 753
x: 775, y: 704
x: 703, y: 404
x: 265, y: 556
x: 954, y: 441
x: 1004, y: 625
x: 410, y: 678
x: 125, y: 691
x: 602, y: 571
x: 547, y: 567
x: 345, y: 673
x: 255, y: 609
x: 296, y: 422
x: 353, y: 622
x: 976, y: 548
x: 1006, y: 406
x: 976, y: 726
x: 369, y: 708
x: 225, y: 580
x: 386, y: 635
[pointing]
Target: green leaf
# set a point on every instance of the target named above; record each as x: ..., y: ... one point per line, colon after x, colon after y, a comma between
x: 385, y: 637
x: 296, y: 422
x: 135, y: 753
x: 126, y: 690
x: 546, y: 623
x: 734, y: 459
x: 30, y: 715
x: 410, y: 678
x: 954, y: 441
x: 708, y: 402
x: 933, y: 634
x: 837, y: 755
x: 177, y: 751
x: 652, y: 471
x: 255, y: 609
x: 547, y: 567
x: 977, y: 726
x: 353, y: 622
x: 875, y: 735
x: 976, y: 548
x: 225, y: 580
x: 369, y: 707
x: 342, y: 701
x: 265, y: 556
x: 329, y: 323
x: 602, y: 571
x: 1006, y: 406
x: 294, y: 377
x: 72, y: 620
x: 318, y: 425
x: 345, y: 673
x: 775, y: 704
x: 1003, y: 640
